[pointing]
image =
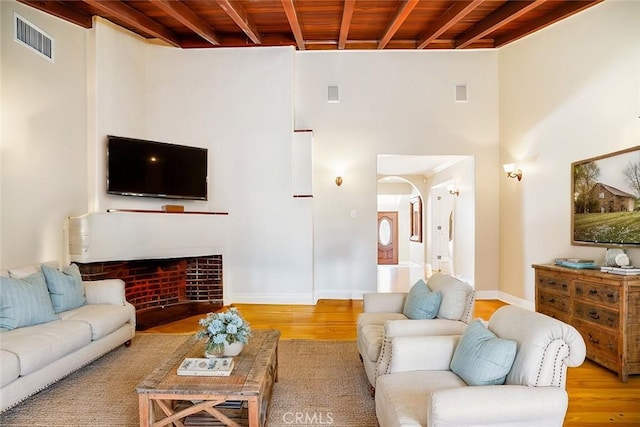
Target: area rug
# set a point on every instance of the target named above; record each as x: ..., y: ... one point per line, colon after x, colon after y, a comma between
x: 319, y: 383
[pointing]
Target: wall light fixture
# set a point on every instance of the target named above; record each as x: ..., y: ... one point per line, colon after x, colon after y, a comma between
x: 512, y: 172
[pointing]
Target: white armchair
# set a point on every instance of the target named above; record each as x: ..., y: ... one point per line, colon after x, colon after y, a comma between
x: 383, y: 319
x: 420, y: 389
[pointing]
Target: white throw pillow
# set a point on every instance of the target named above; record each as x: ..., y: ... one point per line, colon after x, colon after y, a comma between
x: 455, y: 293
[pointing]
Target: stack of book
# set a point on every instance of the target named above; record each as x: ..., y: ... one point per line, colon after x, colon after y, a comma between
x: 576, y: 263
x: 210, y: 367
x: 623, y: 271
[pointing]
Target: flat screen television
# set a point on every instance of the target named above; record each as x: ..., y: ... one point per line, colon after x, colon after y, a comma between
x: 136, y: 167
x: 605, y: 200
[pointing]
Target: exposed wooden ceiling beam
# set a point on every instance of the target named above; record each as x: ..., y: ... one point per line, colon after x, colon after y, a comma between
x: 402, y: 12
x: 292, y: 15
x: 347, y: 13
x: 62, y: 11
x: 181, y: 13
x: 510, y: 11
x: 239, y: 16
x: 455, y: 13
x: 565, y: 10
x: 136, y: 19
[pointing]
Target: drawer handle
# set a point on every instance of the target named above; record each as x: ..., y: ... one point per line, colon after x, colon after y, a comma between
x: 610, y: 295
x: 551, y: 282
x: 552, y: 300
x: 594, y: 314
x: 611, y: 321
x: 564, y: 286
x: 593, y: 340
x: 593, y: 291
x: 610, y: 345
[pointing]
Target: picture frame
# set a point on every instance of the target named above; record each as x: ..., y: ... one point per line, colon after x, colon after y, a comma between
x: 415, y: 214
x: 605, y: 200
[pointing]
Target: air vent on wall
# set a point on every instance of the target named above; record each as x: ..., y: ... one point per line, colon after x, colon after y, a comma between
x: 32, y: 37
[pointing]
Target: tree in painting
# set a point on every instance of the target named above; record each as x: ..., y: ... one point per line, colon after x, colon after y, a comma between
x: 585, y: 176
x: 632, y: 173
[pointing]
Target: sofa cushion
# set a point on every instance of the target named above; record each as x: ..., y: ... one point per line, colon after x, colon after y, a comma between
x: 25, y: 302
x: 422, y: 302
x: 455, y: 294
x: 481, y: 358
x: 40, y: 345
x: 65, y: 287
x: 10, y: 367
x: 102, y: 318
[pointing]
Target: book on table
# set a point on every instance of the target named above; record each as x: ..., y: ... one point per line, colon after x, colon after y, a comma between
x: 576, y: 263
x: 209, y: 367
x: 623, y: 271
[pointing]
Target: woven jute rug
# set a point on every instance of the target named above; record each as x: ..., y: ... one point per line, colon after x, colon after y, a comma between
x: 320, y: 383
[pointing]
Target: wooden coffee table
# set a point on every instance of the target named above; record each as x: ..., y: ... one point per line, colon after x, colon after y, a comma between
x: 251, y: 381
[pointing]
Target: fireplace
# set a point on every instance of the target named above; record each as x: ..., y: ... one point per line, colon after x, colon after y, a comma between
x: 165, y: 290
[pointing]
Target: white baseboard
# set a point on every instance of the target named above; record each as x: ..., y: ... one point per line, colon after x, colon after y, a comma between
x: 296, y: 299
x: 508, y: 298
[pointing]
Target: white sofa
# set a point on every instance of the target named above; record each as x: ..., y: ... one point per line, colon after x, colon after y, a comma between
x: 383, y: 319
x: 423, y: 388
x: 33, y: 356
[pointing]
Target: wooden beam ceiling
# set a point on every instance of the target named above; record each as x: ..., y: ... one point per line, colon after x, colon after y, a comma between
x: 323, y: 24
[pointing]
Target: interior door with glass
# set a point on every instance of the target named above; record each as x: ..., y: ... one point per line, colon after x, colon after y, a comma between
x: 387, y: 237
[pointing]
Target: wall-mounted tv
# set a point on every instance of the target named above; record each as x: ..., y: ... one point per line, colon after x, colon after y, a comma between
x: 606, y: 199
x: 136, y: 167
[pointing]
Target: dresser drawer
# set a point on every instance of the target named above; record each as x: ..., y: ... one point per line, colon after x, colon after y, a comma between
x: 554, y: 301
x: 602, y: 346
x: 554, y: 283
x: 595, y: 314
x: 597, y: 292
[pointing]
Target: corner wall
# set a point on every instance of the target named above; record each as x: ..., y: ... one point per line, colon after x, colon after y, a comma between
x: 43, y: 142
x: 567, y: 93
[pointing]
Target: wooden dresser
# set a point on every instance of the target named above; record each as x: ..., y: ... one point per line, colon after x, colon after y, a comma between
x: 604, y: 307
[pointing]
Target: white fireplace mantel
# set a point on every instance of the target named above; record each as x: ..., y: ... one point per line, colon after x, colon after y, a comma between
x: 118, y: 236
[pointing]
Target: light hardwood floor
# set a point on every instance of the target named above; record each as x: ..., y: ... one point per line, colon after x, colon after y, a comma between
x: 596, y: 396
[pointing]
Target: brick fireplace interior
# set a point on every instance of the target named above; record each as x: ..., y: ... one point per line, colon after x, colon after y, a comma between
x: 165, y: 290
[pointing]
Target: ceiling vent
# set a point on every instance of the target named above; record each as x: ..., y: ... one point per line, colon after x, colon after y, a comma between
x: 32, y: 37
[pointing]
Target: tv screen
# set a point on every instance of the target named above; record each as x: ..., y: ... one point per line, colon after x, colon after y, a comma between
x: 142, y: 168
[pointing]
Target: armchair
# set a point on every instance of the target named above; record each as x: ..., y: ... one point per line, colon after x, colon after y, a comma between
x: 421, y: 389
x: 383, y: 319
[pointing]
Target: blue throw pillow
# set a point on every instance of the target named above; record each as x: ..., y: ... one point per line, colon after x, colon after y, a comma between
x: 65, y: 287
x: 481, y: 358
x: 24, y: 302
x: 422, y: 302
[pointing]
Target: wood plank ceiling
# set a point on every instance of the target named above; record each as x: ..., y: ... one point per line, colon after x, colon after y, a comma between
x: 323, y: 24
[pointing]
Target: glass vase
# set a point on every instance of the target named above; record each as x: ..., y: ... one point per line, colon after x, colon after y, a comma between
x: 213, y: 349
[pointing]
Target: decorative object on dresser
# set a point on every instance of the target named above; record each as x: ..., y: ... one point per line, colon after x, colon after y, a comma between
x: 604, y: 307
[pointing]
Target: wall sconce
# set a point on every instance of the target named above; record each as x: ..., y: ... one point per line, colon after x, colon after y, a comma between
x: 453, y: 191
x: 510, y: 169
x: 338, y: 181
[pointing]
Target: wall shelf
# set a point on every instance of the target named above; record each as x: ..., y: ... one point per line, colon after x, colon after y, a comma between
x: 165, y: 212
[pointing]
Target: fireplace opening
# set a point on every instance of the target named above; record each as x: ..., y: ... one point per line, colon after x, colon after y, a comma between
x: 165, y: 290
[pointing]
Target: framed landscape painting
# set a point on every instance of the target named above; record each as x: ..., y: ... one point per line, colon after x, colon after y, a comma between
x: 606, y: 199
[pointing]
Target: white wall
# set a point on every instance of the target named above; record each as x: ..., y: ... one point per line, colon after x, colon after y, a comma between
x: 567, y: 93
x: 42, y: 148
x: 237, y: 104
x: 405, y: 106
